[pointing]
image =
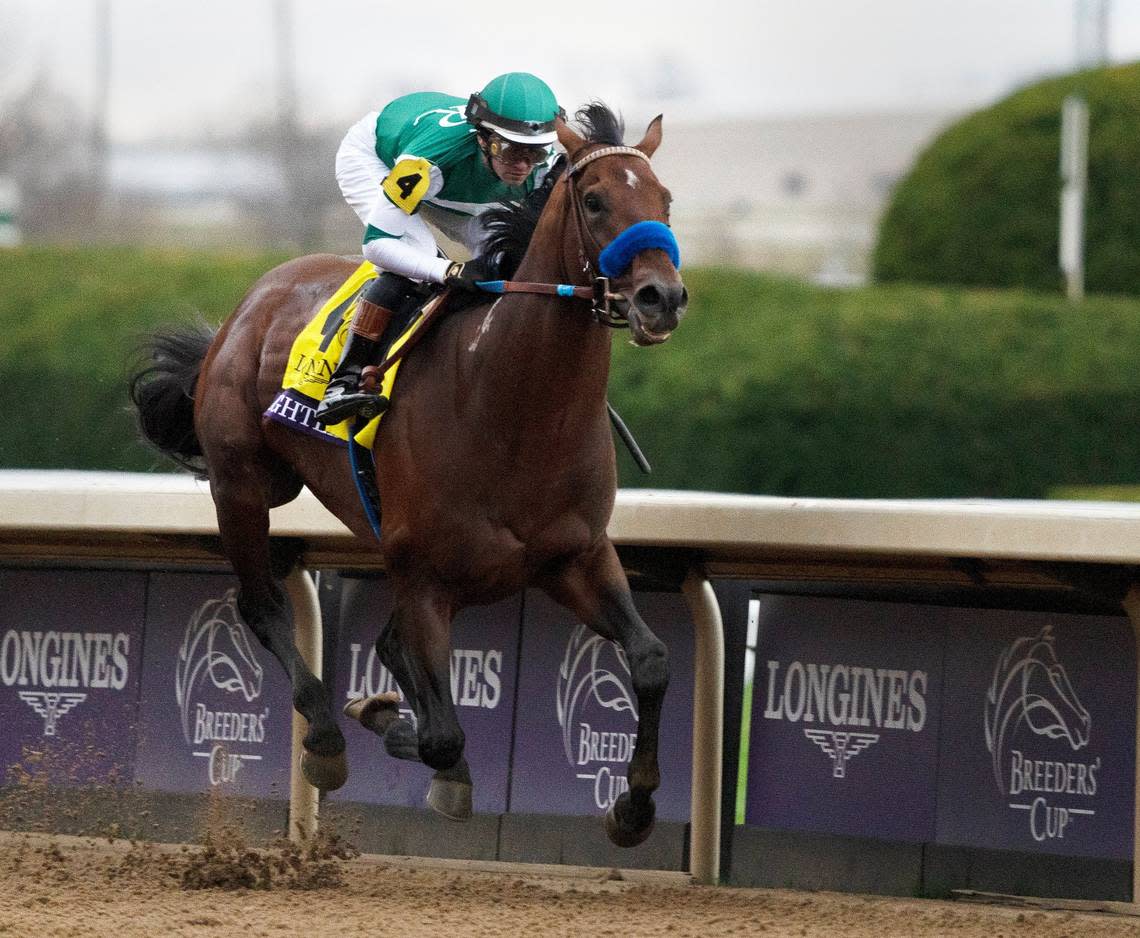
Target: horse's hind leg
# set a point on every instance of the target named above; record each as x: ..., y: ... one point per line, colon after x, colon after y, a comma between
x: 595, y: 588
x: 415, y: 646
x: 240, y: 495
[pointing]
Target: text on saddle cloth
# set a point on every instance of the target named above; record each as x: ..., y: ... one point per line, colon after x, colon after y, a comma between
x: 313, y: 359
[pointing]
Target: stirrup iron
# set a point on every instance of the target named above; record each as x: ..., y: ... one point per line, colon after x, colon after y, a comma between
x: 341, y: 407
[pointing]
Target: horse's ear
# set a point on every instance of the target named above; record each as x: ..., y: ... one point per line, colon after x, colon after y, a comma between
x: 570, y: 141
x: 652, y: 139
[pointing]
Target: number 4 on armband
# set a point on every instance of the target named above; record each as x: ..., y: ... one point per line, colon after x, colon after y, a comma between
x: 407, y: 183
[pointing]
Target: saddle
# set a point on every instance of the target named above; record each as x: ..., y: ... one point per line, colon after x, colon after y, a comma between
x: 316, y: 350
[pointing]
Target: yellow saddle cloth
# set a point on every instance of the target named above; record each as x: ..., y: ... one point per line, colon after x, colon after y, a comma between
x: 313, y: 359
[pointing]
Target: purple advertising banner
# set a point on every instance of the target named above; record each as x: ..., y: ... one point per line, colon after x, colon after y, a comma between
x: 844, y: 725
x: 70, y: 643
x: 484, y: 641
x: 216, y: 707
x: 577, y: 715
x: 1038, y: 733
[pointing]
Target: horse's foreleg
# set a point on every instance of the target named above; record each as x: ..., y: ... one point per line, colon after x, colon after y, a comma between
x: 416, y: 647
x: 243, y: 521
x: 595, y: 588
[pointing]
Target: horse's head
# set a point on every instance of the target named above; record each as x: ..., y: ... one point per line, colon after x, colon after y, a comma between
x: 593, y: 670
x: 1030, y: 684
x: 621, y: 213
x: 1052, y: 707
x: 215, y: 644
x: 231, y: 663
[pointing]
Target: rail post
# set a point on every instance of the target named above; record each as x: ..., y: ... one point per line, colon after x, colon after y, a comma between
x: 1131, y: 605
x: 304, y: 799
x: 708, y: 728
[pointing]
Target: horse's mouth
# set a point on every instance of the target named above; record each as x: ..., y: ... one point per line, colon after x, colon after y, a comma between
x: 639, y: 335
x: 653, y: 310
x: 640, y: 332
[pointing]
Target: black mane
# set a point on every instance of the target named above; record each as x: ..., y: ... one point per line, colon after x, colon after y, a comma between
x: 511, y: 226
x: 601, y: 125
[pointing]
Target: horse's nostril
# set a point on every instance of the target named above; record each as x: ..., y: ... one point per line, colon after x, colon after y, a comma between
x: 648, y: 298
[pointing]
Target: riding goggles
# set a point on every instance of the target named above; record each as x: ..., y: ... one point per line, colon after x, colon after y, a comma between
x: 510, y: 152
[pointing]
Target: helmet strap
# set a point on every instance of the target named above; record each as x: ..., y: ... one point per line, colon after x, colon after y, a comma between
x: 485, y: 147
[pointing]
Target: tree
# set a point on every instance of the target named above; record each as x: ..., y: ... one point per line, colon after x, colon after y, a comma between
x: 981, y: 205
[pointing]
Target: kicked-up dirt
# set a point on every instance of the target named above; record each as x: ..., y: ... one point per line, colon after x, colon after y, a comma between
x: 71, y: 887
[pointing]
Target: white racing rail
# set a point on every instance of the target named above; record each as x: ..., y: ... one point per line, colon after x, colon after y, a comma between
x: 116, y: 518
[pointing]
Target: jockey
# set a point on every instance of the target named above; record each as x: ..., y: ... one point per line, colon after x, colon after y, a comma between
x: 436, y: 158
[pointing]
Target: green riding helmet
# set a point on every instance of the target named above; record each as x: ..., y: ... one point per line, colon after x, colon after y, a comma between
x: 517, y: 106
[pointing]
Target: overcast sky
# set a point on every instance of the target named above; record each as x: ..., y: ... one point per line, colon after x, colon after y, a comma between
x: 188, y: 68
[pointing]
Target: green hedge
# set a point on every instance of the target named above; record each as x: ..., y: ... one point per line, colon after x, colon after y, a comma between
x: 779, y: 388
x: 981, y: 205
x: 767, y: 387
x: 71, y: 320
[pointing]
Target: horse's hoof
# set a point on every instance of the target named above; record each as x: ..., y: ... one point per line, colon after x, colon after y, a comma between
x: 400, y: 740
x: 450, y: 798
x: 624, y: 830
x: 375, y: 713
x: 327, y: 773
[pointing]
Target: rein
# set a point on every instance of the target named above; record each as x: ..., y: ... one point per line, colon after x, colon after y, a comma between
x: 599, y: 294
x: 612, y: 259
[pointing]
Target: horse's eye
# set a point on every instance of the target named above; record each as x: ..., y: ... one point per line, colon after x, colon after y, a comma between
x: 592, y: 202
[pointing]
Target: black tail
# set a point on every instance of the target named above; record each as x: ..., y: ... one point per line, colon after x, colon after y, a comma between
x: 162, y: 389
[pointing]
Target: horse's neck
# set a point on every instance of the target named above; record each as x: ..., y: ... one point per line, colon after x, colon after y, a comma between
x: 555, y: 349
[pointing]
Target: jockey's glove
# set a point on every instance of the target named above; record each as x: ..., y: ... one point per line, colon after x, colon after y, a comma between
x: 464, y: 276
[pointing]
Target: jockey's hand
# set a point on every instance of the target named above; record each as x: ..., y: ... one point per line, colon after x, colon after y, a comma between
x: 465, y: 276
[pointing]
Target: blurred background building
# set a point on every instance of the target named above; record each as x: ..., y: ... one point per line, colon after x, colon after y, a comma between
x: 800, y: 196
x: 796, y: 195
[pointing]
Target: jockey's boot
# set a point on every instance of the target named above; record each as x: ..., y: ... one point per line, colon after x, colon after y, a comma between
x: 343, y: 396
x: 371, y: 333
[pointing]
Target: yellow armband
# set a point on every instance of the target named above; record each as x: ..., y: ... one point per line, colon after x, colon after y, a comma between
x: 407, y: 184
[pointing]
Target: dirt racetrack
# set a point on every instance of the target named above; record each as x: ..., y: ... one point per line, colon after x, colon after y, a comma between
x: 72, y: 887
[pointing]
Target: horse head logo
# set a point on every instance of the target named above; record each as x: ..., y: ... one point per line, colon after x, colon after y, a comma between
x: 215, y: 646
x: 1030, y: 686
x: 586, y: 675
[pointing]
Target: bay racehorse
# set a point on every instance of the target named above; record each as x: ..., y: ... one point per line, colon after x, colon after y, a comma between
x: 495, y: 461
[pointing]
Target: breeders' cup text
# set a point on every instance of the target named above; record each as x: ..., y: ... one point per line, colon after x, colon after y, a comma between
x: 600, y: 746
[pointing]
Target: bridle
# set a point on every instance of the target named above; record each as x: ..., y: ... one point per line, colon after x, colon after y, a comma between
x: 617, y: 253
x: 602, y: 297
